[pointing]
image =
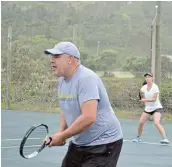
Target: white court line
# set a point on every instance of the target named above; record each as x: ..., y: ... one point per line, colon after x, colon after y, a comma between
x: 158, y: 144
x: 149, y: 143
x: 25, y: 146
x: 18, y: 139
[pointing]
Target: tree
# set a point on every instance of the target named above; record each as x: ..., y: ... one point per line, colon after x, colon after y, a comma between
x: 135, y: 64
x: 107, y: 60
x: 166, y: 67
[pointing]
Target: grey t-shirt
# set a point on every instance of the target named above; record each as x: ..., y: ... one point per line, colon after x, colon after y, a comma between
x: 83, y: 86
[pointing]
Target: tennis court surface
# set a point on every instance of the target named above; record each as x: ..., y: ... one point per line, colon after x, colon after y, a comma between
x: 14, y: 124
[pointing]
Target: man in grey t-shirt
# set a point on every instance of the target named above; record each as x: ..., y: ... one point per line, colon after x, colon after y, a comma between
x: 86, y: 113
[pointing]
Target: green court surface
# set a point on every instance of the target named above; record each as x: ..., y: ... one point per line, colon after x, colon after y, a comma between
x: 14, y: 124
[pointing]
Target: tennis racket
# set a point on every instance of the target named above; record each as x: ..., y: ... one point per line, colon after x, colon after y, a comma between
x: 34, y: 141
x: 135, y: 94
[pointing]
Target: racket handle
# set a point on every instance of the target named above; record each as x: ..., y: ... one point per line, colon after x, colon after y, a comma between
x: 140, y: 97
x: 50, y: 140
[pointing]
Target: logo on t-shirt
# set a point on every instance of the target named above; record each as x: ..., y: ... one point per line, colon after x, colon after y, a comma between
x: 69, y: 97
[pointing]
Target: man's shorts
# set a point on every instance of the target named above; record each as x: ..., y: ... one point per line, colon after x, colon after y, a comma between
x: 160, y: 110
x: 105, y: 155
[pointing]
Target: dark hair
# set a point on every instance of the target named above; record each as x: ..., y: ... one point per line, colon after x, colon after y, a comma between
x: 144, y: 83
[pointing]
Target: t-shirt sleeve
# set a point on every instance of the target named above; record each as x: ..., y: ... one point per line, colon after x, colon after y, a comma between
x: 142, y: 89
x: 88, y: 90
x: 155, y: 89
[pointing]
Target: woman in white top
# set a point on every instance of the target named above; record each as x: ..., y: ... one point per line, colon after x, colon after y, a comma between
x: 153, y: 106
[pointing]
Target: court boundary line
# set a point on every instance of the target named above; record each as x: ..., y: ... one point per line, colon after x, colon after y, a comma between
x: 130, y: 141
x: 18, y: 139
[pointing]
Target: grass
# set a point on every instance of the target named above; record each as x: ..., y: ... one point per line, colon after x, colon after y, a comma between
x: 123, y: 114
x: 167, y: 117
x: 27, y: 107
x: 117, y: 74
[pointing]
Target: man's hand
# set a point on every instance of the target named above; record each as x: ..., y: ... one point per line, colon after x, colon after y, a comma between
x: 57, y: 140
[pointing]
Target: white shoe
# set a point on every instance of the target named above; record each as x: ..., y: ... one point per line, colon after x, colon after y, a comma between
x: 164, y: 141
x: 137, y: 139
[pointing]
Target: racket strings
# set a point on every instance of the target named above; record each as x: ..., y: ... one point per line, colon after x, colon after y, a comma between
x: 35, y: 140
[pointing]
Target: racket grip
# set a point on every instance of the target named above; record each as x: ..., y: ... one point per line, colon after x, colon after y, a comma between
x: 140, y: 97
x: 50, y: 140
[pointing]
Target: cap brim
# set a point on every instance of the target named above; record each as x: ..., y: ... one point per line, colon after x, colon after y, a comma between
x: 52, y: 52
x: 148, y: 74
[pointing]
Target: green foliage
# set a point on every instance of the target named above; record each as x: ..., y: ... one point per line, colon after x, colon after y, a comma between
x: 122, y: 93
x: 166, y: 95
x: 166, y: 67
x: 135, y: 63
x: 122, y: 28
x: 107, y: 60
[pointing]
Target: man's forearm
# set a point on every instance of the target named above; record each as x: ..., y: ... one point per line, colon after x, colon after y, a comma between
x: 61, y: 129
x: 63, y: 124
x: 80, y: 125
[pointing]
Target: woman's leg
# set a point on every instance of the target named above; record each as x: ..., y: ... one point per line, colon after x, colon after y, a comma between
x: 157, y: 118
x: 143, y: 119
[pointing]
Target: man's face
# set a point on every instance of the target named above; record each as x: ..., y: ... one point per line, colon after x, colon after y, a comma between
x: 60, y: 64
